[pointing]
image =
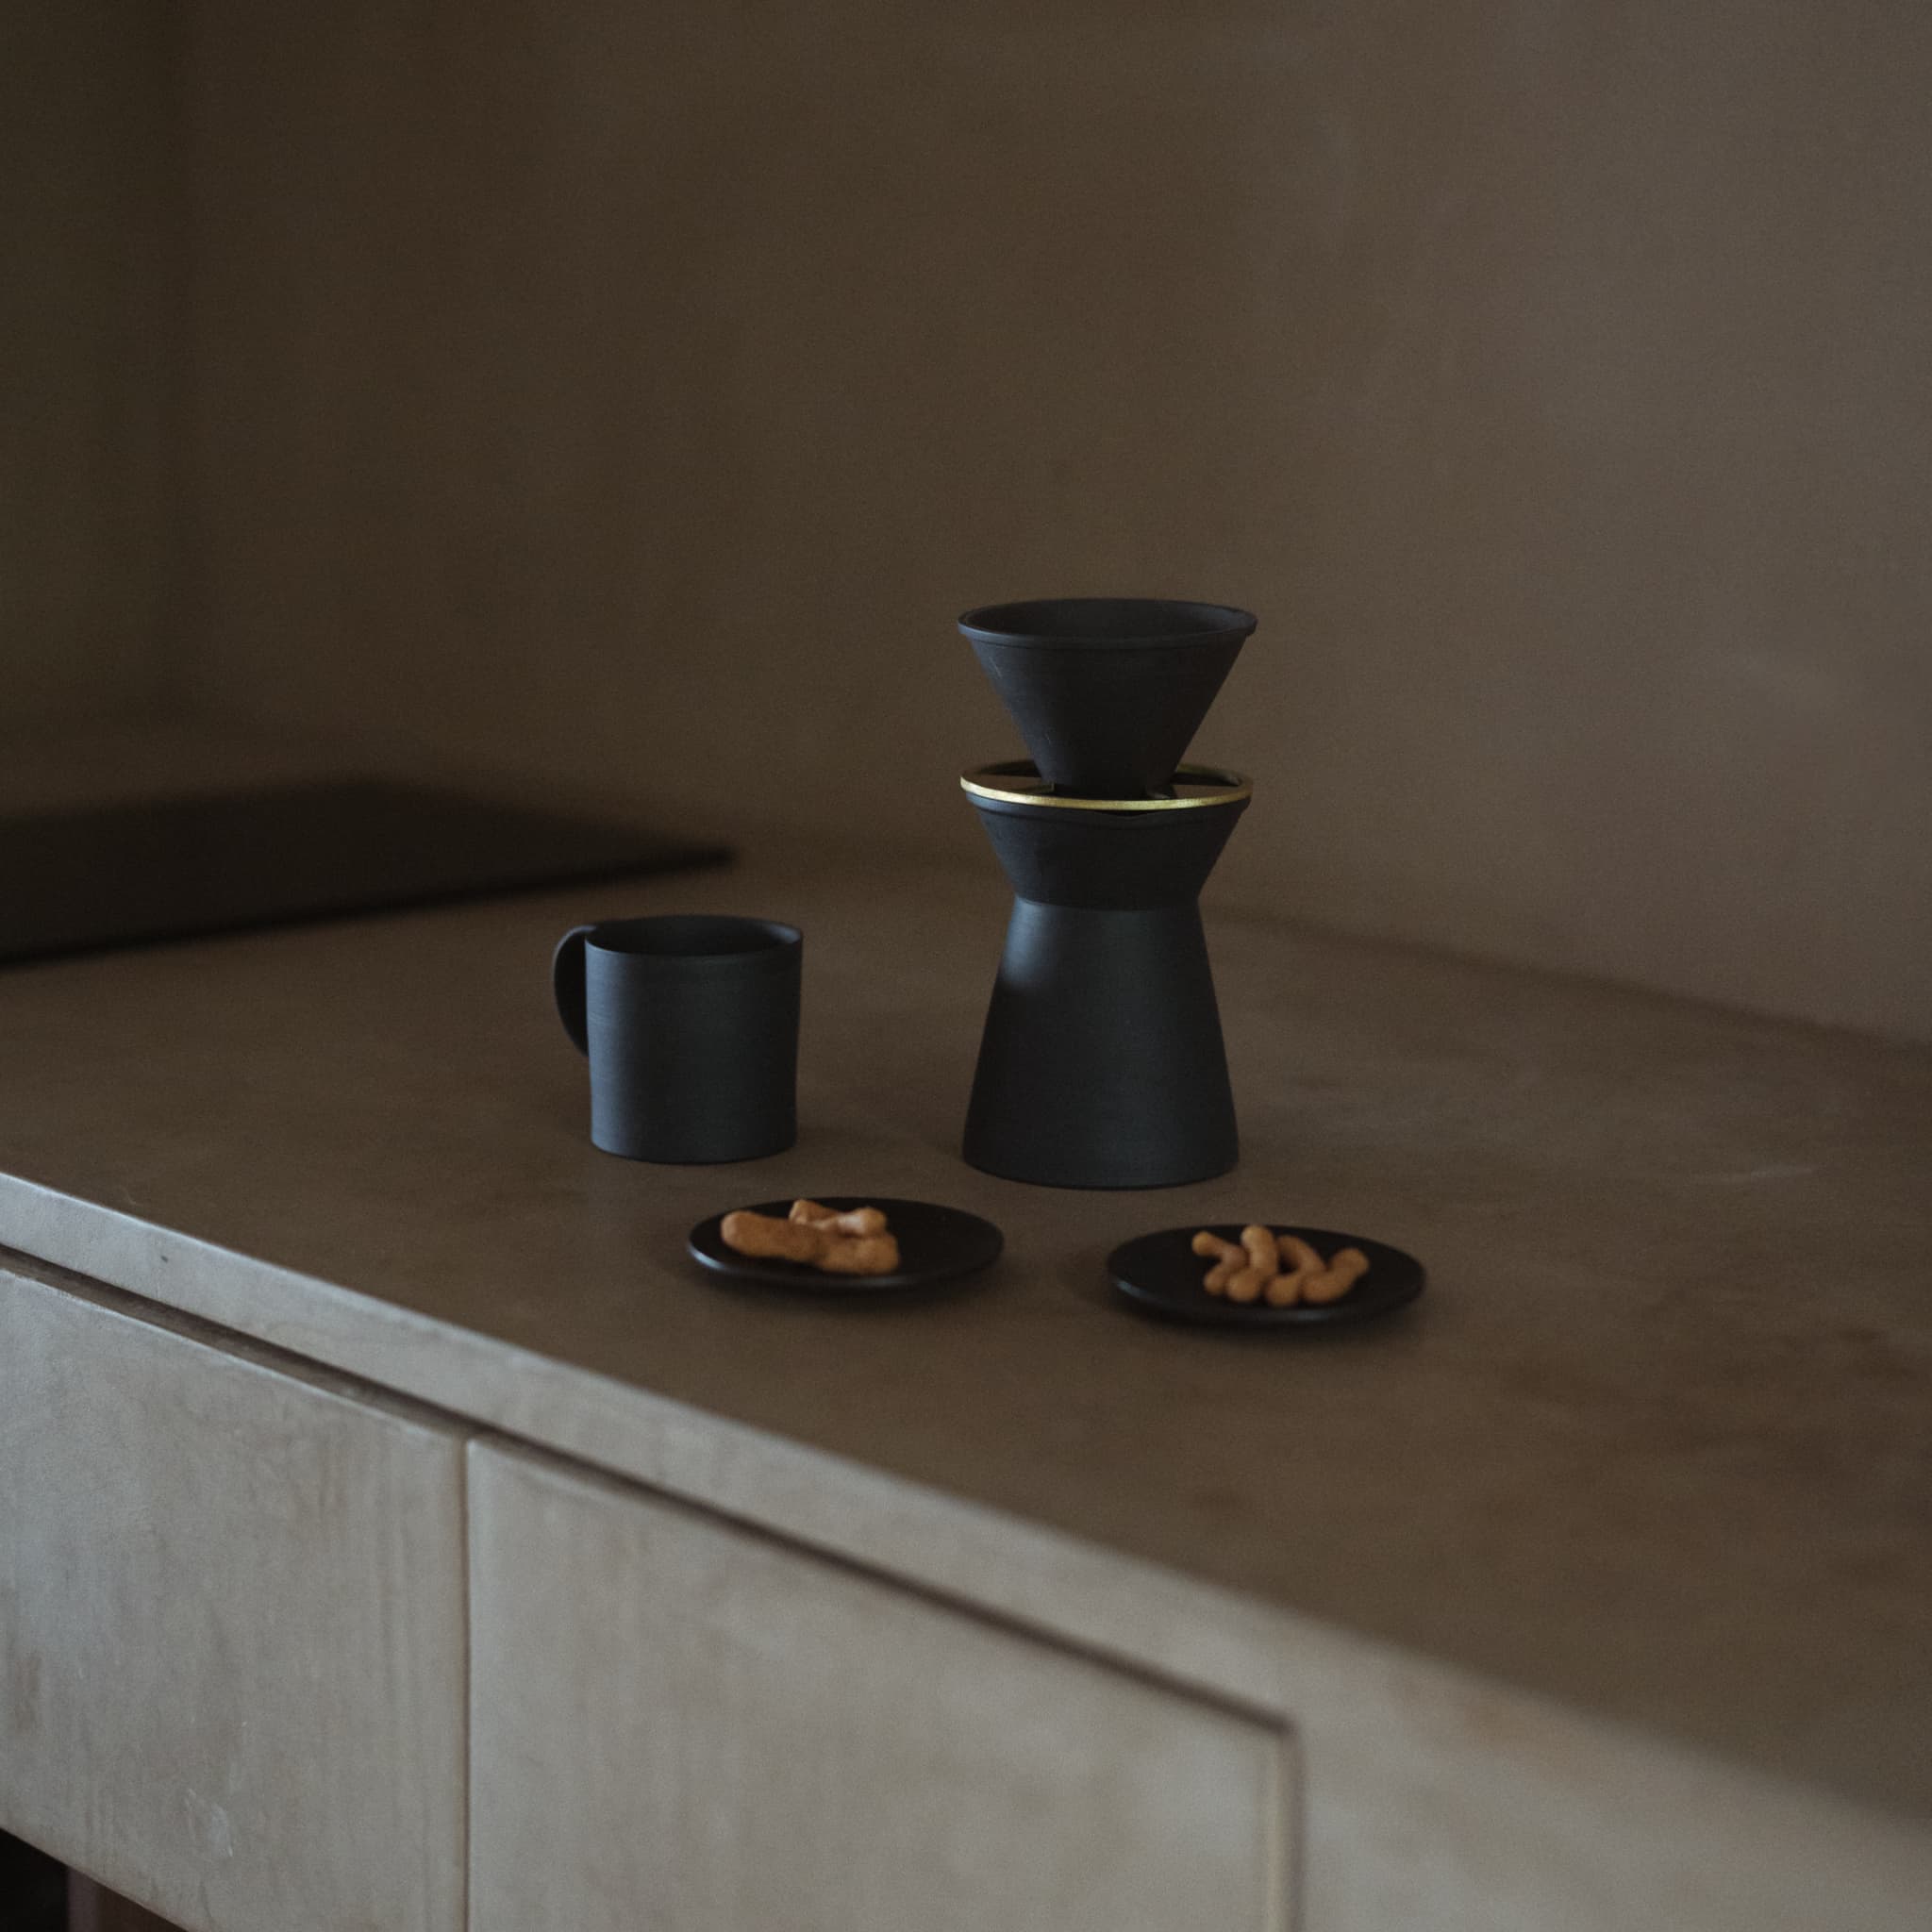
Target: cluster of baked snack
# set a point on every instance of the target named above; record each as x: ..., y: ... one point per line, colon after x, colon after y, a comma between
x: 1281, y: 1270
x: 856, y: 1242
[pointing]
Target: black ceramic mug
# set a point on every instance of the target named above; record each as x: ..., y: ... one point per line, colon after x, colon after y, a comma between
x: 690, y: 1025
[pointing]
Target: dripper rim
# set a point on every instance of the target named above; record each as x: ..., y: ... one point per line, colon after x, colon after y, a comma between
x: 1192, y: 623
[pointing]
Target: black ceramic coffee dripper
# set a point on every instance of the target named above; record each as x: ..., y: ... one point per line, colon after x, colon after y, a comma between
x: 1107, y: 691
x: 1102, y: 1063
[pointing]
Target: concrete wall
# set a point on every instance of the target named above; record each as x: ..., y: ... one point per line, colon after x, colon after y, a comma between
x: 631, y: 396
x: 92, y: 346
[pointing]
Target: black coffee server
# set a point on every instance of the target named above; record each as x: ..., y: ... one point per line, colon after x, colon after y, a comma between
x: 1102, y: 1063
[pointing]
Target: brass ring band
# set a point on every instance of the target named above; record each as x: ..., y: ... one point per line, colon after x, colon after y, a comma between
x: 1229, y: 787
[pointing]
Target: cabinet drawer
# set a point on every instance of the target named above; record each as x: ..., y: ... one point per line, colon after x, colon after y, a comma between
x: 231, y: 1638
x: 681, y: 1724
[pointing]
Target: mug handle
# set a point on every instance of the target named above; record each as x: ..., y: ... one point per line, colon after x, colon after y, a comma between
x: 567, y: 985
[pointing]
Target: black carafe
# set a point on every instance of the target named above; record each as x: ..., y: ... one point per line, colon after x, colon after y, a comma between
x: 1102, y: 1063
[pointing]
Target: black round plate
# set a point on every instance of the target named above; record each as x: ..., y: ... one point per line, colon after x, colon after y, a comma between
x: 1161, y: 1275
x: 936, y: 1244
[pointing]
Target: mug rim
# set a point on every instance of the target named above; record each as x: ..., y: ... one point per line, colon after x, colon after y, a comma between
x: 757, y: 940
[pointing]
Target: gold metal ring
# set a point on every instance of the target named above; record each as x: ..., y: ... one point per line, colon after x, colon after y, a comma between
x: 1226, y: 789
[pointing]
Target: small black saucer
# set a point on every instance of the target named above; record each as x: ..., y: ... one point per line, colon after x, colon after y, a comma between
x: 1161, y: 1275
x: 936, y: 1244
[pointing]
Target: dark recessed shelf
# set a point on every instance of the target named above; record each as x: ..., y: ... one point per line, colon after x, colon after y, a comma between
x: 182, y: 868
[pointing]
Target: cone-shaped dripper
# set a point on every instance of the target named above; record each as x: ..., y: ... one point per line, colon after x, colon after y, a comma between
x: 1107, y: 691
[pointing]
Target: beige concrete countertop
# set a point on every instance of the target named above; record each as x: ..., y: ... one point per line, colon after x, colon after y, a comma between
x: 1657, y: 1445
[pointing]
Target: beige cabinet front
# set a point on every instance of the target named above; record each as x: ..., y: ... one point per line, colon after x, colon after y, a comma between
x: 231, y: 1629
x: 680, y: 1725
